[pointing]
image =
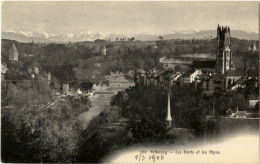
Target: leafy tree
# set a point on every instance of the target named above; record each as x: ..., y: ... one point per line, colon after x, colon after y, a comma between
x: 40, y: 132
x: 160, y: 37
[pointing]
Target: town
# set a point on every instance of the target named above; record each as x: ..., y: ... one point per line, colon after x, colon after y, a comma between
x: 80, y: 97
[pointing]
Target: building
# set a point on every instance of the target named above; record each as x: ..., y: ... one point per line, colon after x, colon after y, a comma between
x: 178, y: 68
x: 241, y: 114
x: 190, y: 76
x: 48, y: 78
x: 253, y: 100
x: 170, y: 63
x: 13, y: 53
x: 240, y: 83
x: 253, y: 47
x: 232, y: 76
x: 103, y: 51
x: 212, y: 82
x: 206, y: 66
x: 98, y: 65
x: 4, y: 69
x: 175, y: 79
x: 216, y: 82
x: 34, y: 68
x: 118, y: 81
x: 224, y: 55
x: 252, y: 73
x: 79, y: 92
x: 65, y: 89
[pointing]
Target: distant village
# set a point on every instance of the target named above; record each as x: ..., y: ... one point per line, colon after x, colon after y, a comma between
x: 208, y: 76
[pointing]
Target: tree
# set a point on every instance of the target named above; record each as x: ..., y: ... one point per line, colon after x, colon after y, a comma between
x: 34, y: 131
x: 161, y: 38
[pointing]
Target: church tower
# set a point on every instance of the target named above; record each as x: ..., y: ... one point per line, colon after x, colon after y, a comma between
x: 224, y: 55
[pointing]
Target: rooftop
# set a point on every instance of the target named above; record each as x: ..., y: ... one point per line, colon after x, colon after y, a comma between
x: 217, y: 77
x: 254, y: 97
x: 201, y: 77
x: 252, y: 73
x: 236, y: 72
x: 204, y: 64
x: 240, y: 81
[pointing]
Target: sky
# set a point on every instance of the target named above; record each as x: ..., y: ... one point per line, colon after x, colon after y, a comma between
x: 128, y: 17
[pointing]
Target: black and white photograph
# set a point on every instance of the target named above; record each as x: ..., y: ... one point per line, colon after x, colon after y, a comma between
x: 130, y: 82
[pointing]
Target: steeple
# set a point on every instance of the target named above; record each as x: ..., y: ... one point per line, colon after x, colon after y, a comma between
x: 168, y: 119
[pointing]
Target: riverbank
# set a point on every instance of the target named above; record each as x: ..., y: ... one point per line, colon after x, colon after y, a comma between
x: 98, y: 104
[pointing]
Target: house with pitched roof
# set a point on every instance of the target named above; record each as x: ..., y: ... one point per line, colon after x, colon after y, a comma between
x: 232, y: 76
x: 213, y: 82
x: 189, y: 76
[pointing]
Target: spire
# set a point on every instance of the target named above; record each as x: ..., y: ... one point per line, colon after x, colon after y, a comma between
x: 168, y: 116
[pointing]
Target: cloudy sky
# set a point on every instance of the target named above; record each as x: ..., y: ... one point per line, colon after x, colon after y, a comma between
x: 128, y: 17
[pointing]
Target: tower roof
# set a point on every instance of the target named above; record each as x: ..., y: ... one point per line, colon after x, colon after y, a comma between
x: 223, y: 28
x: 168, y: 116
x: 13, y: 47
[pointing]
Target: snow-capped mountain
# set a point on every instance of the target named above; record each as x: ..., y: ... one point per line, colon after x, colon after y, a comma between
x: 44, y: 37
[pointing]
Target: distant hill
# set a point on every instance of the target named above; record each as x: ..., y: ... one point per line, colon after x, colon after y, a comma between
x: 91, y: 36
x: 212, y: 34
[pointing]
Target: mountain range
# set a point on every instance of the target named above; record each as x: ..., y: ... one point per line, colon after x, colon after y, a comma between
x: 43, y: 37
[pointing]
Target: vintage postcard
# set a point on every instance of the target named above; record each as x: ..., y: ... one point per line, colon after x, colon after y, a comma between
x: 129, y: 82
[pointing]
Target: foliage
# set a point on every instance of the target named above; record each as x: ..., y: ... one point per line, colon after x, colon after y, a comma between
x: 36, y: 129
x: 95, y: 142
x: 149, y: 104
